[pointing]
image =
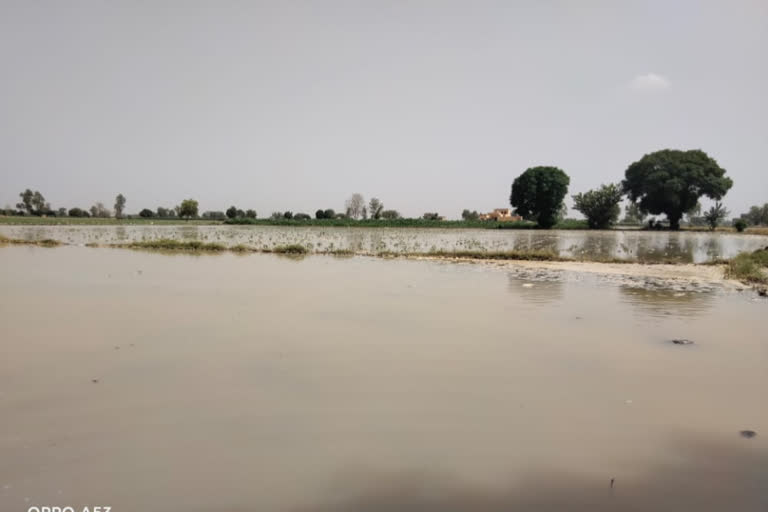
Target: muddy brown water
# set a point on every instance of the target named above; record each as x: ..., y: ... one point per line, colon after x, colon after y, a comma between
x: 687, y: 247
x: 230, y: 383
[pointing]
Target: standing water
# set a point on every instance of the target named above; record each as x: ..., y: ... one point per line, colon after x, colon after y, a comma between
x: 684, y: 247
x: 144, y: 381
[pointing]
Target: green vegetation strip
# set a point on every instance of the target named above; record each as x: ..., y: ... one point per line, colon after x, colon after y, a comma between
x: 403, y: 223
x: 46, y: 242
x: 750, y: 267
x: 166, y: 244
x: 480, y: 255
x: 99, y: 221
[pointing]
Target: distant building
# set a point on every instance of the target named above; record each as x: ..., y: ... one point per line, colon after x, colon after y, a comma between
x: 502, y: 215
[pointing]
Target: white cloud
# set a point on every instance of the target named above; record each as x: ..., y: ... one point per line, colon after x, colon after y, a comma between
x: 650, y: 82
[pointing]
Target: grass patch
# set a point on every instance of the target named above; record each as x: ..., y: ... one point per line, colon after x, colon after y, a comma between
x: 290, y: 249
x: 340, y: 252
x: 480, y: 255
x: 166, y: 244
x: 46, y: 242
x: 241, y: 248
x: 750, y: 267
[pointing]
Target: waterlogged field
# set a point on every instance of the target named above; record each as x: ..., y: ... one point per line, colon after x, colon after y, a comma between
x: 688, y: 247
x: 235, y: 383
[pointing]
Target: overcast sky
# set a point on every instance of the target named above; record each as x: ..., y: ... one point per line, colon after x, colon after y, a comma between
x: 430, y: 106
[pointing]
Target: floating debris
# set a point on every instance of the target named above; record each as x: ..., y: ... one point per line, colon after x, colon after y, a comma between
x: 95, y: 381
x: 682, y: 342
x: 748, y: 434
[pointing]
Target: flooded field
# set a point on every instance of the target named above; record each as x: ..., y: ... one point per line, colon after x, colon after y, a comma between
x: 229, y: 383
x: 684, y: 247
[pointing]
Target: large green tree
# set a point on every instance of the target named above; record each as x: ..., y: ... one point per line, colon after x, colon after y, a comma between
x: 671, y: 182
x: 600, y: 206
x: 538, y: 194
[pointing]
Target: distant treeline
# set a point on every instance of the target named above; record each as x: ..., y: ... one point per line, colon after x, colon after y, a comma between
x: 667, y: 182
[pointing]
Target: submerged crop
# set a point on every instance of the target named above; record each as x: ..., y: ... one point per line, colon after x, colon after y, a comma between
x: 174, y: 245
x: 45, y: 242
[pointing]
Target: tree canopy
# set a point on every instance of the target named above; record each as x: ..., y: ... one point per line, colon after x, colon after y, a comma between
x: 33, y: 203
x: 355, y: 206
x: 671, y: 182
x: 375, y: 207
x: 757, y: 215
x: 188, y: 209
x: 601, y: 206
x: 119, y: 206
x: 538, y: 194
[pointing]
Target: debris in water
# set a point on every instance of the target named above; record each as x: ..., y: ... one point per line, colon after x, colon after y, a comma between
x: 95, y: 381
x: 682, y: 342
x: 528, y: 285
x: 612, y: 481
x: 748, y: 434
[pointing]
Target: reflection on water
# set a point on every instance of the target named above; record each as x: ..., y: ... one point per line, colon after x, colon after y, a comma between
x: 683, y: 247
x: 661, y: 302
x: 699, y: 475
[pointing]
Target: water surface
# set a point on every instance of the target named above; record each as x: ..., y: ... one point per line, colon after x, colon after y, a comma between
x: 260, y: 383
x: 688, y: 247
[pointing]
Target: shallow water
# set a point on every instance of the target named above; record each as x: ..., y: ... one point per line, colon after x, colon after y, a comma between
x: 261, y: 383
x: 685, y: 247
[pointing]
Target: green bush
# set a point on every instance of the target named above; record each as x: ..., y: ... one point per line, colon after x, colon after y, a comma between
x: 600, y: 207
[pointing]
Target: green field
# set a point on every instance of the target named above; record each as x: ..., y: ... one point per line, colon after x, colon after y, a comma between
x: 369, y: 223
x: 404, y: 223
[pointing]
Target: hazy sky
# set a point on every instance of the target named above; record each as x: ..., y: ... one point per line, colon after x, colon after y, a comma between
x: 430, y: 106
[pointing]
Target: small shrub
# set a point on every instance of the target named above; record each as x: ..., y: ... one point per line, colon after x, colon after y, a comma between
x: 749, y: 267
x: 740, y: 225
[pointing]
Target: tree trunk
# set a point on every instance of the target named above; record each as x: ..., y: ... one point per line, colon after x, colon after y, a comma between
x: 674, y: 222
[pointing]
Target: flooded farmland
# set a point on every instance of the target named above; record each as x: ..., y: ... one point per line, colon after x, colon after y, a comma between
x: 685, y: 247
x: 234, y: 383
